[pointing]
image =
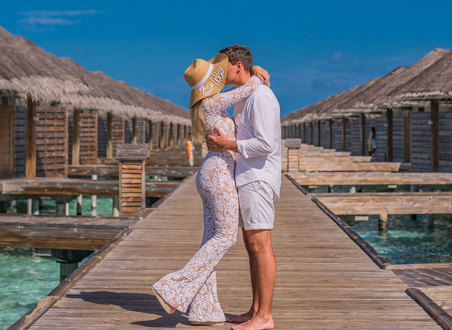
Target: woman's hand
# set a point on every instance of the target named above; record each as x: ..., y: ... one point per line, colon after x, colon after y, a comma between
x: 262, y: 74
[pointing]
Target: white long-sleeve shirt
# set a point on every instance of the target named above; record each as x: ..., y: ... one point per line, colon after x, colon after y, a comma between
x: 258, y: 134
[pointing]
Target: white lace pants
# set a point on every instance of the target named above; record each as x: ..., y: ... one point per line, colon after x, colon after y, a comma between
x: 195, y: 285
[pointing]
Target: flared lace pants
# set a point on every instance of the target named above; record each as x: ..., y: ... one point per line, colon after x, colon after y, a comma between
x: 195, y: 285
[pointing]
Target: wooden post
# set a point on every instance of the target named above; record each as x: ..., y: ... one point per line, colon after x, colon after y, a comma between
x: 150, y: 135
x: 319, y: 128
x: 293, y: 154
x: 311, y: 133
x: 162, y: 136
x: 383, y: 223
x: 344, y: 134
x: 134, y: 130
x: 132, y: 188
x: 30, y: 166
x: 94, y: 198
x: 109, y: 136
x: 115, y: 206
x: 407, y: 139
x: 389, y: 123
x: 178, y: 135
x: 76, y: 137
x: 304, y: 133
x: 330, y: 134
x: 79, y: 204
x: 33, y: 206
x: 362, y: 118
x: 435, y: 135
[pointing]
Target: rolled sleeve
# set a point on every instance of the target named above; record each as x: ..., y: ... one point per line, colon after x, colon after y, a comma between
x: 263, y: 122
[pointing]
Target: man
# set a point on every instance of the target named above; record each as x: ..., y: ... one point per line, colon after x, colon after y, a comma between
x: 258, y: 180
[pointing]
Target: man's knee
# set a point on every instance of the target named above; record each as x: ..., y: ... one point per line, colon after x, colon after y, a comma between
x: 258, y: 241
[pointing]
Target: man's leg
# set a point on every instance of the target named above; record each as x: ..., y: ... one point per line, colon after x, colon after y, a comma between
x: 264, y: 265
x: 255, y: 305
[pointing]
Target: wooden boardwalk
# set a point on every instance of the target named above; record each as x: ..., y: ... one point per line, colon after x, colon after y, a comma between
x: 324, y: 280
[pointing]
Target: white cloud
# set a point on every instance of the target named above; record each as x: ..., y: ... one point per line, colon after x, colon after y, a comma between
x: 52, y: 17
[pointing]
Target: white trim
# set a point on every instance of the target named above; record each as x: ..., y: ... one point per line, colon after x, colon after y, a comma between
x: 203, y: 80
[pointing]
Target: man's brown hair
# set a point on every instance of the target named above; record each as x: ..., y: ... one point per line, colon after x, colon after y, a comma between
x: 238, y: 53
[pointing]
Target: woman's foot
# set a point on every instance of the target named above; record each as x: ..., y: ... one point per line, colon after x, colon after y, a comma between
x: 241, y: 318
x: 211, y: 324
x: 167, y: 307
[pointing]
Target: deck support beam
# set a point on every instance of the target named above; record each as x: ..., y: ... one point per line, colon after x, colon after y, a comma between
x: 94, y: 197
x: 79, y: 204
x: 383, y: 223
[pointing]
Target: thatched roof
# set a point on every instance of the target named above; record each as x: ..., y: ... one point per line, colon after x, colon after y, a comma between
x: 433, y: 82
x: 27, y: 69
x: 430, y: 76
x: 319, y: 109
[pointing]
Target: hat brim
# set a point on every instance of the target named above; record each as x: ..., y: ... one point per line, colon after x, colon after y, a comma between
x: 215, y: 82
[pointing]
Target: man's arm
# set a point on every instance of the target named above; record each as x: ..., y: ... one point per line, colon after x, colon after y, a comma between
x: 220, y: 142
x: 262, y: 143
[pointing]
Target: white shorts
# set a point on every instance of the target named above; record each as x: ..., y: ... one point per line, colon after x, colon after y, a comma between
x: 256, y: 205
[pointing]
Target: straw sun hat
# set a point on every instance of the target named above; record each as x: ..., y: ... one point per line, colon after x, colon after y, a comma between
x: 206, y: 78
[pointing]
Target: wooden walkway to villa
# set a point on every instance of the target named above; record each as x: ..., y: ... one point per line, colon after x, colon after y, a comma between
x: 324, y: 280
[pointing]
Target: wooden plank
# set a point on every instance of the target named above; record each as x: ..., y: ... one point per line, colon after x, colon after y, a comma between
x: 388, y: 203
x: 57, y: 232
x: 372, y: 178
x: 73, y: 187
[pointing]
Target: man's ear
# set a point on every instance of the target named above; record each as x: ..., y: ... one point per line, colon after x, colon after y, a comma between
x: 240, y: 66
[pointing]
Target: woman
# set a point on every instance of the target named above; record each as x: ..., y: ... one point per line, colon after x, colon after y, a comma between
x: 195, y: 284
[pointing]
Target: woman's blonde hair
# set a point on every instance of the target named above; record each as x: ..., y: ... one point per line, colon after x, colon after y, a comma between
x: 198, y: 120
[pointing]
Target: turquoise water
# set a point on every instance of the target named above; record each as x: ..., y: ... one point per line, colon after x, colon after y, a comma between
x: 25, y: 280
x: 104, y: 206
x: 408, y: 240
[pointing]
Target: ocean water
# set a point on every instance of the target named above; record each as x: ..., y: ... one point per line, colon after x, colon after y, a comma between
x: 408, y: 240
x: 25, y: 280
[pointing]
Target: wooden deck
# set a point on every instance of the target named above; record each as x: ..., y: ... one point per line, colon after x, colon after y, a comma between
x: 324, y: 280
x: 65, y: 186
x: 59, y: 232
x: 389, y: 202
x: 371, y: 178
x: 435, y: 282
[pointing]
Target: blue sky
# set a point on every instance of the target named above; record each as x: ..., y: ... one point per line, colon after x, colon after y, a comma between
x: 311, y: 49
